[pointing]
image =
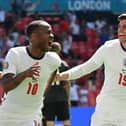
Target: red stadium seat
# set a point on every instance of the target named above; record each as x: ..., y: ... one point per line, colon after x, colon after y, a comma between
x: 75, y: 47
x: 20, y: 25
x: 56, y: 28
x: 27, y: 20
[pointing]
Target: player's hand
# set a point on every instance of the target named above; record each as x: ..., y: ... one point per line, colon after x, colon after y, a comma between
x: 33, y: 71
x: 61, y: 76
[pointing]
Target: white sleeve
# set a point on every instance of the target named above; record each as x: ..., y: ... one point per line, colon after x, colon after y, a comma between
x: 58, y: 61
x: 54, y: 60
x: 10, y: 62
x: 91, y: 65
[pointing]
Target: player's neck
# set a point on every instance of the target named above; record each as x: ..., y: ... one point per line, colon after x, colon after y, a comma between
x: 35, y: 53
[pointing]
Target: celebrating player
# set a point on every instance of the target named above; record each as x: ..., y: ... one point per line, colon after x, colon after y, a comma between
x: 25, y: 77
x: 111, y: 102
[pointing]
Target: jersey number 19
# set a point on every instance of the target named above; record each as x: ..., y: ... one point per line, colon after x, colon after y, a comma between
x: 122, y: 79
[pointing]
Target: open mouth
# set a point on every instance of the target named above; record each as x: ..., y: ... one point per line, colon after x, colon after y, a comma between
x: 50, y: 44
x: 121, y: 35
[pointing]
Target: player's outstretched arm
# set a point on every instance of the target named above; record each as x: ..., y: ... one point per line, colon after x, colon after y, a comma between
x: 78, y: 71
x: 85, y: 68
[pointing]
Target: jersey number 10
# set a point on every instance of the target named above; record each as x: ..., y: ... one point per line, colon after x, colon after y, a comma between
x: 32, y: 88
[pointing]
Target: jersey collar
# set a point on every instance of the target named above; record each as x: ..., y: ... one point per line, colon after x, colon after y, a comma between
x: 27, y: 50
x: 122, y: 47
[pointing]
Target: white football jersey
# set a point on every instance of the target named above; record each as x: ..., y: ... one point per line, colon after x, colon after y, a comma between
x: 112, y: 98
x: 27, y: 98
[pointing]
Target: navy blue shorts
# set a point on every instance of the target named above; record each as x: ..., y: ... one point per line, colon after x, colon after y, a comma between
x: 59, y: 110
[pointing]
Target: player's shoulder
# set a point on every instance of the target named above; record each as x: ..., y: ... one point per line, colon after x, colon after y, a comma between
x: 111, y: 43
x: 53, y: 58
x: 53, y: 55
x: 18, y: 49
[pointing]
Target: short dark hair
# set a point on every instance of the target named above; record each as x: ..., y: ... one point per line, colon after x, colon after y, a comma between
x: 34, y: 25
x: 30, y: 28
x: 122, y: 16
